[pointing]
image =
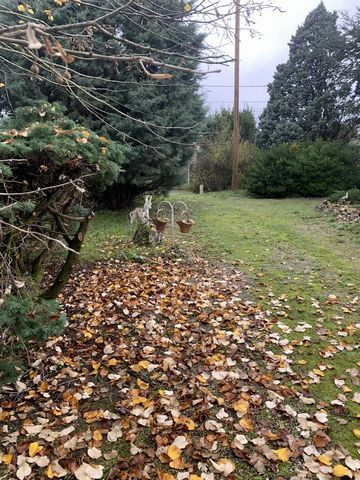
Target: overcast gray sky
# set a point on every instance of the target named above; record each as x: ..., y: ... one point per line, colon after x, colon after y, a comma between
x: 260, y: 56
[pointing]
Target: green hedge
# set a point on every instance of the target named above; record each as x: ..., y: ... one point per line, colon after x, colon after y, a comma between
x: 353, y: 196
x: 310, y: 169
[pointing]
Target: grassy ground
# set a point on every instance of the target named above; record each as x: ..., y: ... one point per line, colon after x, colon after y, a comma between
x: 299, y: 265
x: 293, y: 257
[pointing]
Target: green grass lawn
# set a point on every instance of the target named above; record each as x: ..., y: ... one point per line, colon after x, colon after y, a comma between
x: 293, y: 258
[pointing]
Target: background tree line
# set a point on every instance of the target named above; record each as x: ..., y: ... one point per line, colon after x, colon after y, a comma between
x: 307, y: 135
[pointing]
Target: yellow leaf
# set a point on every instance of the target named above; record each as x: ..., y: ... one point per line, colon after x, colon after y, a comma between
x: 282, y: 454
x: 340, y: 471
x: 173, y: 452
x: 346, y: 389
x: 141, y: 384
x: 30, y: 10
x: 187, y: 422
x: 177, y: 464
x: 195, y: 477
x: 247, y: 424
x: 135, y: 368
x: 166, y: 476
x: 324, y: 460
x: 2, y: 85
x: 34, y: 448
x: 187, y: 7
x: 302, y: 362
x: 137, y: 400
x: 6, y: 459
x: 144, y: 364
x: 49, y: 473
x: 356, y: 432
x: 49, y: 14
x: 21, y: 8
x: 97, y: 436
x: 241, y: 406
x: 318, y: 372
x: 4, y: 416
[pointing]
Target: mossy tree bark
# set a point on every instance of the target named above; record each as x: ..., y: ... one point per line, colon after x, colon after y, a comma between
x: 72, y: 256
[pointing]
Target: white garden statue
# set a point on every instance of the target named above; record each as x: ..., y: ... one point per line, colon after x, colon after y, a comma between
x: 142, y: 214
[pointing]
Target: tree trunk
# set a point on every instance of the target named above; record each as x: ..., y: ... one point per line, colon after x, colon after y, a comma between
x: 146, y: 235
x: 72, y: 257
x: 39, y: 264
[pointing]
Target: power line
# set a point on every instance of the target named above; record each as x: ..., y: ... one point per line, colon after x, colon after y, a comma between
x: 232, y: 86
x: 241, y: 101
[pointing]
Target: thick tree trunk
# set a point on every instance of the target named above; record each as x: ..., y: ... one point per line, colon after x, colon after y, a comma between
x: 72, y: 257
x: 146, y: 235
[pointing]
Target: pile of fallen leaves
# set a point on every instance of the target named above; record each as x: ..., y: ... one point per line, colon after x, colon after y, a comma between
x: 164, y: 372
x: 342, y: 212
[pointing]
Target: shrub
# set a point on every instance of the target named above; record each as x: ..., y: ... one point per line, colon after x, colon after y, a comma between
x: 213, y: 165
x: 269, y: 175
x: 28, y: 319
x: 336, y: 196
x: 308, y: 169
x: 47, y: 163
x: 21, y: 320
x: 353, y: 196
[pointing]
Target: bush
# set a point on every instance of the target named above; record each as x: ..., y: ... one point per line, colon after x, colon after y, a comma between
x: 353, y: 196
x: 47, y: 164
x: 213, y: 163
x: 312, y: 169
x: 336, y: 196
x: 213, y: 166
x: 25, y: 319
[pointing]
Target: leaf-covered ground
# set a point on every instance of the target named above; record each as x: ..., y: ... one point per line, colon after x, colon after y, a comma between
x: 167, y: 372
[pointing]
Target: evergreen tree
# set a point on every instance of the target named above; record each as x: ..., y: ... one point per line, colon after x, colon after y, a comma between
x: 158, y: 119
x: 46, y: 164
x: 224, y: 120
x: 352, y: 32
x: 309, y: 96
x: 47, y: 161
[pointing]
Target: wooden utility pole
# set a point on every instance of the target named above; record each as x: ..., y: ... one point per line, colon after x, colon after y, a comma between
x: 236, y: 131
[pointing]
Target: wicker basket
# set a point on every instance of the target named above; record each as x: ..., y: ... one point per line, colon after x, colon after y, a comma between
x: 185, y: 223
x: 160, y: 223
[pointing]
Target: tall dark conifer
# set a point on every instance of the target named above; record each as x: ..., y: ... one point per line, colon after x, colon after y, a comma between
x: 310, y: 93
x: 352, y: 32
x: 158, y: 119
